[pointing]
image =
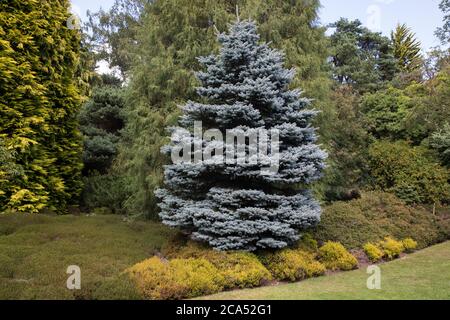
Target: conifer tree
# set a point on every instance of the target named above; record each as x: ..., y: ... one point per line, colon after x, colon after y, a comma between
x: 171, y: 35
x: 237, y: 205
x: 406, y: 48
x: 39, y: 102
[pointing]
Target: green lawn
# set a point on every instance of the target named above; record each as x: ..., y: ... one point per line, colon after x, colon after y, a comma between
x: 35, y: 251
x: 423, y: 275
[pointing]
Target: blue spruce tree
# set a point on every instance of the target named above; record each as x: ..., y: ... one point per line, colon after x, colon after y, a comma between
x: 240, y: 205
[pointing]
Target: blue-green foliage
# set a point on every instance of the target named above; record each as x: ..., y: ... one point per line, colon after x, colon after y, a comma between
x: 237, y: 206
x: 102, y: 119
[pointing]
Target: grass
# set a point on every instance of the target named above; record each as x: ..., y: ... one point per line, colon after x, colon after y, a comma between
x: 423, y: 275
x: 35, y: 251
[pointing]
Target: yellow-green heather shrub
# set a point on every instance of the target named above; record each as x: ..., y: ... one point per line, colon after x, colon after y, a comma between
x: 373, y: 252
x: 238, y: 269
x: 335, y: 257
x: 176, y: 279
x: 391, y: 248
x: 151, y: 277
x: 409, y: 244
x: 198, y: 275
x: 292, y: 265
x: 241, y: 270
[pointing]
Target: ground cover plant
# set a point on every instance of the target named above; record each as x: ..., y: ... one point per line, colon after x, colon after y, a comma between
x: 377, y: 215
x: 37, y: 249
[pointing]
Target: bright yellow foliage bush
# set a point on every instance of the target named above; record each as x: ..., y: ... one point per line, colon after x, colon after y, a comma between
x: 391, y: 248
x: 176, y: 279
x: 198, y: 276
x: 373, y: 252
x: 292, y: 265
x: 239, y: 269
x: 335, y: 257
x: 409, y: 244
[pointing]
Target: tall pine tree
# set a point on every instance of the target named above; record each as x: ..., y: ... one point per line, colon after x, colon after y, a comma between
x: 237, y: 206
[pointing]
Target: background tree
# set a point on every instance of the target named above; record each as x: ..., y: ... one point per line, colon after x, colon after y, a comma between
x: 437, y: 59
x: 361, y: 58
x: 386, y: 112
x: 431, y: 105
x: 113, y: 33
x: 408, y: 172
x: 39, y: 102
x: 102, y: 119
x: 440, y: 141
x: 348, y: 169
x: 444, y: 32
x: 406, y: 48
x: 173, y: 34
x: 238, y: 206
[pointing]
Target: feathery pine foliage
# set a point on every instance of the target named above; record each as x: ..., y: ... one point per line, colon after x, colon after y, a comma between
x: 406, y: 48
x: 360, y: 57
x: 39, y: 101
x: 238, y: 206
x: 413, y: 113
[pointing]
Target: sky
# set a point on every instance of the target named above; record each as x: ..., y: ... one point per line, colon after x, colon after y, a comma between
x: 423, y: 16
